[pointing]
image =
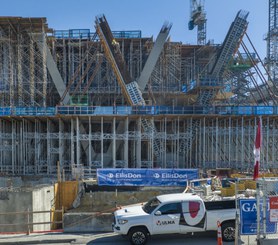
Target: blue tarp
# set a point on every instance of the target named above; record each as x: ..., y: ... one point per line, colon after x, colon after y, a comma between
x: 245, y: 110
x: 264, y: 110
x: 5, y: 111
x: 34, y: 111
x: 103, y: 110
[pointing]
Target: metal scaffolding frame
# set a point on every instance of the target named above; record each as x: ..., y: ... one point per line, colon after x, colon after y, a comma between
x: 37, y: 144
x: 34, y: 146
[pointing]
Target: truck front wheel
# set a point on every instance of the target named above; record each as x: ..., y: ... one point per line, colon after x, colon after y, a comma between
x: 138, y: 236
x: 228, y: 231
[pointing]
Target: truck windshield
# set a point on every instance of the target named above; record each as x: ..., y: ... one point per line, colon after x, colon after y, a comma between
x: 151, y: 205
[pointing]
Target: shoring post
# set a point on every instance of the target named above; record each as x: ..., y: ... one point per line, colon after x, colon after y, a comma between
x: 28, y: 221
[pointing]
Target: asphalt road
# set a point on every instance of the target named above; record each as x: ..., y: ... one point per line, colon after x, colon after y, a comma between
x: 207, y: 238
x: 197, y: 239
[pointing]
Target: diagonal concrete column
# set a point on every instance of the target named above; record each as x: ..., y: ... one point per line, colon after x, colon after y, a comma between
x: 153, y: 57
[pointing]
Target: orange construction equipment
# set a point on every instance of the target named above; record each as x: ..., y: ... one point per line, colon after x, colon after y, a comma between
x: 219, y: 234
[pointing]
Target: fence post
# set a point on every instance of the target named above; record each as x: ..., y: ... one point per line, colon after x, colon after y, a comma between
x: 237, y: 217
x: 258, y: 211
x: 264, y: 208
x: 28, y: 221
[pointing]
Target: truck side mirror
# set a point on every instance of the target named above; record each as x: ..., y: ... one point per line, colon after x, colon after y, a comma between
x: 157, y: 213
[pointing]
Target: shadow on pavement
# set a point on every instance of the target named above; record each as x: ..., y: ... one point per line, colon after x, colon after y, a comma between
x: 208, y: 238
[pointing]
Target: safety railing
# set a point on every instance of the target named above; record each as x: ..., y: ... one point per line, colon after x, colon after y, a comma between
x: 28, y: 221
x: 166, y: 110
x: 139, y: 110
x: 85, y: 34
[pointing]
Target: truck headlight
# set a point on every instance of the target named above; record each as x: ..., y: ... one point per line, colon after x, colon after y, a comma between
x: 122, y: 221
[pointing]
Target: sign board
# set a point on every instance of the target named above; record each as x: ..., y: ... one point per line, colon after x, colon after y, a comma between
x: 145, y: 177
x: 273, y: 206
x: 248, y: 218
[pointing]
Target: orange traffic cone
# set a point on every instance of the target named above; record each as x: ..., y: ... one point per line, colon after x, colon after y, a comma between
x: 219, y: 234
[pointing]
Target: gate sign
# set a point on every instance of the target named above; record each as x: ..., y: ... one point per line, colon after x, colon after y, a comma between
x: 145, y: 177
x: 273, y: 204
x: 248, y: 218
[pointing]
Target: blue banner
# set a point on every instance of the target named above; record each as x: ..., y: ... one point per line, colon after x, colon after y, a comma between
x: 145, y: 177
x: 248, y: 218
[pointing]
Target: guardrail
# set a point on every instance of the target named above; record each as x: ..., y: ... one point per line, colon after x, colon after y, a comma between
x: 139, y: 110
x: 27, y: 217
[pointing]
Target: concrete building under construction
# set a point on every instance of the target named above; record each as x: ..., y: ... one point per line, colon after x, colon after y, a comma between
x: 73, y: 101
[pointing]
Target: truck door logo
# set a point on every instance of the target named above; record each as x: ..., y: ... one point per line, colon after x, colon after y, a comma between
x: 193, y: 214
x: 194, y: 208
x: 165, y: 222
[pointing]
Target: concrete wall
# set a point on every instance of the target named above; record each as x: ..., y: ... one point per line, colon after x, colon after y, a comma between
x: 14, y: 202
x: 22, y: 200
x: 43, y: 200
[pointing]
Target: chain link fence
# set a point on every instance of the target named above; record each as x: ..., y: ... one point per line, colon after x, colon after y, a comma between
x: 267, y: 213
x: 257, y: 212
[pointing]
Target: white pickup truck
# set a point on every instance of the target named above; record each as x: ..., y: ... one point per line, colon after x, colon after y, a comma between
x: 174, y: 213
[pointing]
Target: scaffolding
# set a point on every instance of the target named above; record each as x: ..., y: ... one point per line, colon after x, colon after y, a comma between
x: 34, y: 146
x: 24, y: 79
x: 61, y: 102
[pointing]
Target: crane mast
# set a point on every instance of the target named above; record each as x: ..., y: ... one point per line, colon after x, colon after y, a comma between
x: 272, y: 44
x: 198, y: 18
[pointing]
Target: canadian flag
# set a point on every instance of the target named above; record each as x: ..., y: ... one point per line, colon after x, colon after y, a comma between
x: 257, y: 149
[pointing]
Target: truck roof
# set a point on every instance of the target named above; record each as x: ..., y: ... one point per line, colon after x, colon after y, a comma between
x: 178, y: 197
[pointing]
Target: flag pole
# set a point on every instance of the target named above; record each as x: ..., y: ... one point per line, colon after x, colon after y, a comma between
x: 257, y: 149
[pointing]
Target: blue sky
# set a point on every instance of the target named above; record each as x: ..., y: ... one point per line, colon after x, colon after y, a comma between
x: 147, y: 16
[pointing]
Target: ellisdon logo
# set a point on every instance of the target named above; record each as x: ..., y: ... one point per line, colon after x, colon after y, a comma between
x: 124, y: 175
x: 156, y: 175
x: 170, y: 176
x: 110, y: 175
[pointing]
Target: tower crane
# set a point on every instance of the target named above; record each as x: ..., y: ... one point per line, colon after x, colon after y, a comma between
x: 198, y: 18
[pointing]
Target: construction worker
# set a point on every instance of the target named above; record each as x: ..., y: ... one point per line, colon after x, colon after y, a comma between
x: 116, y: 45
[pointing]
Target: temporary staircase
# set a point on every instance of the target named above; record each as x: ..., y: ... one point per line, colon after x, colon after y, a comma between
x: 148, y: 125
x: 206, y: 94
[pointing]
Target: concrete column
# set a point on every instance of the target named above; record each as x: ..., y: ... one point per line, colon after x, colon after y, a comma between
x: 48, y: 139
x: 72, y: 150
x: 138, y: 144
x: 216, y: 142
x: 150, y: 148
x: 101, y: 142
x: 165, y: 143
x: 114, y: 142
x: 178, y: 142
x: 13, y: 145
x: 126, y: 143
x: 44, y: 71
x: 89, y: 142
x: 61, y: 144
x: 22, y: 145
x: 36, y: 147
x: 77, y: 142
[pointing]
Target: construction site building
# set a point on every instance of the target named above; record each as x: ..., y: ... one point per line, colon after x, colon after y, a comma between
x: 72, y: 101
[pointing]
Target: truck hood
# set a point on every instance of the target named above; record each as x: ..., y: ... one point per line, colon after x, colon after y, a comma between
x: 130, y: 211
